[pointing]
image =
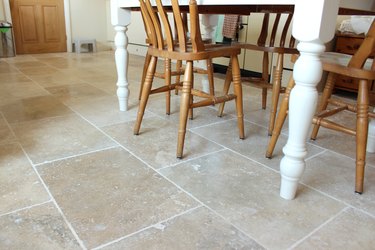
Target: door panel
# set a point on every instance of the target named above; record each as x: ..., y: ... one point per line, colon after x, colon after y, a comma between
x: 39, y: 26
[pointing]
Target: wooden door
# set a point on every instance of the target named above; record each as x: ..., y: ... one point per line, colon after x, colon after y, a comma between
x: 39, y: 26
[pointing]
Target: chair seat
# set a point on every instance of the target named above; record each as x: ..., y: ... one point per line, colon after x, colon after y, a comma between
x: 265, y: 48
x: 343, y: 59
x: 337, y: 63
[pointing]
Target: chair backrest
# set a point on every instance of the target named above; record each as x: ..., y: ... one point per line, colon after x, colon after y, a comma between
x: 365, y: 50
x: 159, y: 30
x: 266, y: 39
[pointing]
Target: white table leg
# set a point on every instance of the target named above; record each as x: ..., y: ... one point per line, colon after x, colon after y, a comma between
x: 120, y: 19
x: 121, y: 57
x: 314, y: 24
x: 302, y: 105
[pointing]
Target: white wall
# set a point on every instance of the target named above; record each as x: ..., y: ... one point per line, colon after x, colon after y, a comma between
x: 89, y: 20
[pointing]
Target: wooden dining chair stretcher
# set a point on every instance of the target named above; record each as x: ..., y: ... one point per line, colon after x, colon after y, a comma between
x: 268, y: 43
x: 162, y: 46
x: 360, y: 67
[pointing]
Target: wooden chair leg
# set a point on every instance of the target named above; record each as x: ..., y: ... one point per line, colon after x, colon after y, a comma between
x: 227, y: 82
x: 210, y: 76
x: 238, y: 92
x: 265, y: 77
x: 361, y: 135
x: 145, y: 93
x: 276, y: 87
x: 280, y: 119
x: 145, y: 66
x: 184, y: 107
x: 327, y: 92
x: 178, y: 76
x: 168, y: 78
x: 191, y: 115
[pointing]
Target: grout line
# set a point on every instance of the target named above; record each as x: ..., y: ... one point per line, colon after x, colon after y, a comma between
x: 316, y: 155
x: 146, y: 228
x: 191, y: 159
x: 80, y: 242
x: 25, y: 208
x: 318, y: 228
x: 73, y: 156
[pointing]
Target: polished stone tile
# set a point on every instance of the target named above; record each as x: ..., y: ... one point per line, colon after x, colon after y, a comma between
x: 40, y: 227
x: 43, y: 70
x: 56, y: 79
x: 34, y: 108
x: 253, y: 146
x: 111, y: 194
x: 69, y: 93
x: 5, y: 68
x: 335, y: 175
x: 247, y: 194
x: 20, y: 185
x: 156, y: 143
x: 201, y: 116
x: 352, y: 229
x: 30, y: 64
x: 11, y: 92
x: 198, y: 229
x: 6, y: 135
x: 104, y: 111
x: 54, y: 138
x: 12, y: 78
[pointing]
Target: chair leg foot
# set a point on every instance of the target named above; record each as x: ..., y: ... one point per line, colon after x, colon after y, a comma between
x: 358, y: 192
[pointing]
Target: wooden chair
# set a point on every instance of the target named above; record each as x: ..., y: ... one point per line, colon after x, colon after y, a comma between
x: 267, y: 44
x: 164, y: 47
x: 167, y: 73
x: 358, y: 67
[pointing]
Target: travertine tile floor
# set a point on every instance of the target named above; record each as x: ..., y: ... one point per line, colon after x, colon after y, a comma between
x: 73, y: 175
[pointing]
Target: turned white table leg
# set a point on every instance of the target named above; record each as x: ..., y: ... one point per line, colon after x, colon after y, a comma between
x: 314, y: 24
x: 121, y: 58
x: 302, y: 105
x: 120, y: 19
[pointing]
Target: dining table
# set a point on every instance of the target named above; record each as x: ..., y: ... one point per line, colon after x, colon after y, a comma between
x: 314, y: 25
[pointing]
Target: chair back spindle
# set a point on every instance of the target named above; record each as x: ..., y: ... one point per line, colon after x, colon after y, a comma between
x: 365, y: 50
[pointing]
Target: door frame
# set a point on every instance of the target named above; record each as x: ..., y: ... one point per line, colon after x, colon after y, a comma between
x: 68, y: 28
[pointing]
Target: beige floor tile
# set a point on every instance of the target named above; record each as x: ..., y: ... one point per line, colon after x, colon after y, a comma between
x: 104, y: 111
x: 43, y: 70
x: 201, y: 116
x: 6, y: 134
x: 30, y: 64
x: 20, y: 185
x: 13, y: 92
x: 247, y: 194
x: 56, y: 79
x: 34, y: 108
x: 350, y: 230
x: 198, y: 229
x: 70, y: 93
x: 5, y: 68
x: 54, y: 138
x: 13, y: 78
x: 40, y: 227
x: 157, y: 142
x: 335, y: 175
x: 110, y: 194
x: 253, y: 146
